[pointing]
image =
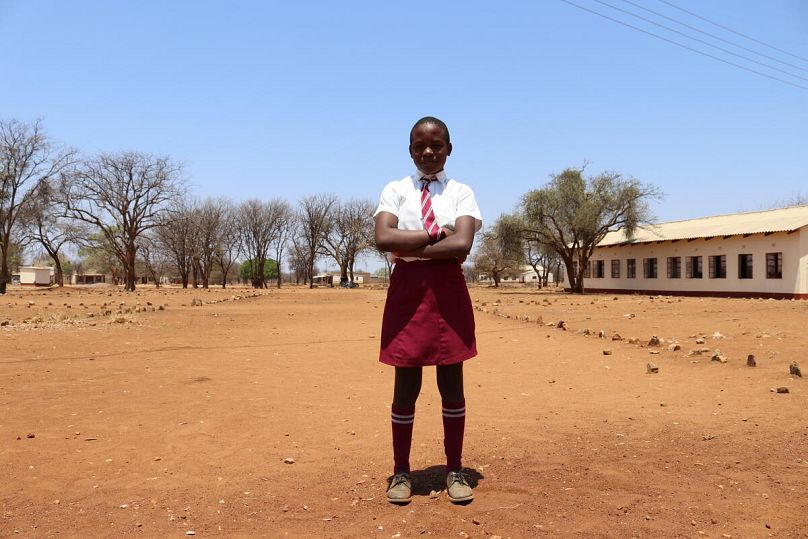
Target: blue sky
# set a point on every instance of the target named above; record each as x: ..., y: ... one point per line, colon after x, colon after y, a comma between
x: 287, y: 99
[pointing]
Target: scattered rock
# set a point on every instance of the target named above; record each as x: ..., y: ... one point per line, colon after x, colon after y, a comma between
x: 601, y: 334
x: 652, y: 368
x: 561, y: 325
x: 607, y: 352
x: 718, y: 356
x: 750, y: 360
x: 654, y: 341
x: 781, y: 390
x: 617, y: 337
x: 629, y: 316
x: 196, y: 302
x: 5, y: 323
x: 717, y: 335
x: 288, y: 460
x: 675, y: 347
x: 700, y: 340
x: 633, y: 340
x: 794, y: 369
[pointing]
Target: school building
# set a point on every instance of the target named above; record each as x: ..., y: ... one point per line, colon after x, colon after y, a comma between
x: 758, y: 254
x: 35, y: 276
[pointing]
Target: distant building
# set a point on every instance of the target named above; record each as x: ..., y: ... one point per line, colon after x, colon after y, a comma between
x: 87, y: 278
x: 756, y: 254
x: 525, y: 274
x: 36, y: 276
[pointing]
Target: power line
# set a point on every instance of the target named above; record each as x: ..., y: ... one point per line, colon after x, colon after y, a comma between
x: 719, y: 38
x: 708, y: 55
x: 731, y: 30
x: 722, y: 49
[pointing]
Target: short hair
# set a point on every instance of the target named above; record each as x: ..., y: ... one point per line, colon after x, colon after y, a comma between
x: 431, y: 120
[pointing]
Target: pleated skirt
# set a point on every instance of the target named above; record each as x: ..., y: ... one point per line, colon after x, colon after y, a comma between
x: 428, y: 317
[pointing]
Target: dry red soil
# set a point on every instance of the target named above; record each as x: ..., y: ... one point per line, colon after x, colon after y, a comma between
x: 148, y: 422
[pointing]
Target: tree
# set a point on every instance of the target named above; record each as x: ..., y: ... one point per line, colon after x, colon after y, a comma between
x: 45, y: 225
x: 96, y: 254
x: 542, y: 258
x: 501, y: 249
x: 248, y: 270
x: 156, y: 261
x: 123, y: 196
x: 208, y: 224
x: 572, y: 214
x: 229, y: 245
x: 349, y: 232
x: 174, y: 235
x: 27, y: 158
x: 314, y: 218
x: 286, y: 222
x: 258, y: 227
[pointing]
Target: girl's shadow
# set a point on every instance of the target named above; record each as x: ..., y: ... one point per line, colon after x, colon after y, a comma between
x: 434, y: 479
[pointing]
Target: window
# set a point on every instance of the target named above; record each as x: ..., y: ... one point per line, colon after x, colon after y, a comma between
x: 744, y: 266
x: 774, y: 265
x: 693, y: 269
x: 649, y: 268
x: 631, y: 268
x: 615, y: 269
x: 600, y: 269
x: 718, y: 266
x: 674, y: 267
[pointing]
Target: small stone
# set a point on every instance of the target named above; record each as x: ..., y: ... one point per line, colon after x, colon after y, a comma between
x: 794, y: 369
x: 654, y: 352
x: 561, y: 325
x: 717, y: 335
x: 190, y: 532
x: 607, y: 352
x: 4, y: 323
x: 654, y: 341
x: 617, y: 337
x: 31, y: 435
x: 782, y: 389
x: 700, y: 340
x: 675, y: 347
x: 601, y: 334
x: 288, y: 460
x: 718, y: 356
x: 750, y: 360
x: 633, y: 340
x: 196, y: 302
x: 652, y: 368
x: 629, y: 316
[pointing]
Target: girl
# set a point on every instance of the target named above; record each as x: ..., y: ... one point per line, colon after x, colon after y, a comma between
x: 427, y: 222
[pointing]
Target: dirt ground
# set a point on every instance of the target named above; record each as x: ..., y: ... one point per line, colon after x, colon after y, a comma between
x: 267, y: 414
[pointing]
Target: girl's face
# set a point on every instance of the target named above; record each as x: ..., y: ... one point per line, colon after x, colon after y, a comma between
x: 429, y: 148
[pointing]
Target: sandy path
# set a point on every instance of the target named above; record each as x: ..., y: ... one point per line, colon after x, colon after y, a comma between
x: 181, y: 419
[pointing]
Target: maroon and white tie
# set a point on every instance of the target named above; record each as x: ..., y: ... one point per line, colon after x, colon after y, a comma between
x: 427, y: 213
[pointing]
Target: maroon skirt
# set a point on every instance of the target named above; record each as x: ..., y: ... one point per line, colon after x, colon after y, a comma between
x: 428, y: 318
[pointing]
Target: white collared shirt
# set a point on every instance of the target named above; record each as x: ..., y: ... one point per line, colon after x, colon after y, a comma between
x: 450, y: 200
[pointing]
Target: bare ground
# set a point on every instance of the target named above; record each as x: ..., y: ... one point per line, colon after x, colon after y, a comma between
x: 137, y: 421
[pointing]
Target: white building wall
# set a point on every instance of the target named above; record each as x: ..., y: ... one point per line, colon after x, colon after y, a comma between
x: 795, y: 265
x: 35, y: 276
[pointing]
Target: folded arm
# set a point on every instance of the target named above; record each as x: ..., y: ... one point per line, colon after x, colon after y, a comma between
x: 456, y: 244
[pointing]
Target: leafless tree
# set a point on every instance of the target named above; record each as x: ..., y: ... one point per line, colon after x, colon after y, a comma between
x: 286, y: 222
x: 174, y: 235
x: 542, y: 258
x: 229, y: 246
x: 314, y: 218
x: 45, y: 225
x: 123, y: 196
x: 299, y: 261
x: 359, y: 216
x: 258, y: 226
x: 156, y: 260
x: 208, y: 225
x: 500, y: 251
x: 27, y: 158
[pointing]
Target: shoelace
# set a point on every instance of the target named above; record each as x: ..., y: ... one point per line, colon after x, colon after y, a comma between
x: 398, y: 479
x: 458, y: 477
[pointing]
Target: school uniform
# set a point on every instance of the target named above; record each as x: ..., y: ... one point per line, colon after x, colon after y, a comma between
x: 428, y: 316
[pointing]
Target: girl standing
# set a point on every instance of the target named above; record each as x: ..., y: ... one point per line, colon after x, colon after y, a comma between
x: 427, y: 222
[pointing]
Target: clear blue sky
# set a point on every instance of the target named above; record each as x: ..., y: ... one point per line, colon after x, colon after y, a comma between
x: 286, y: 99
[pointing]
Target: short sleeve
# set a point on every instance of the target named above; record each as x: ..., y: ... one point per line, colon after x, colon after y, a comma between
x: 389, y: 200
x: 467, y: 205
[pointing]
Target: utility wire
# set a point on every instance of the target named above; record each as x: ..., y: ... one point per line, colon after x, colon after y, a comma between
x: 719, y: 38
x: 708, y: 55
x: 731, y: 30
x: 703, y: 42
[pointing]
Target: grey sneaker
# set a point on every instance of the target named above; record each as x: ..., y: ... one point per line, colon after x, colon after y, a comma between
x: 458, y: 488
x: 400, y: 489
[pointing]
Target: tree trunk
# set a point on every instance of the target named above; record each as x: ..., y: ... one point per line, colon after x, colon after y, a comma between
x: 59, y: 274
x: 130, y: 269
x: 3, y: 275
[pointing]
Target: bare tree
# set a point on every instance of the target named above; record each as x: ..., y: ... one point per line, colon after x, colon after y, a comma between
x: 174, y: 235
x: 229, y: 246
x: 156, y: 261
x: 45, y: 225
x: 27, y: 158
x: 542, y: 258
x: 314, y: 217
x: 500, y: 251
x: 208, y: 224
x: 286, y: 222
x: 359, y: 215
x: 258, y: 226
x: 123, y: 196
x: 299, y: 261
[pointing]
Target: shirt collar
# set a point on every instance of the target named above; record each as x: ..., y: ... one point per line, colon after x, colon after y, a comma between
x: 440, y: 176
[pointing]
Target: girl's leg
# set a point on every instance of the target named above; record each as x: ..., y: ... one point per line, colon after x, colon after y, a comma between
x: 405, y: 393
x: 450, y: 384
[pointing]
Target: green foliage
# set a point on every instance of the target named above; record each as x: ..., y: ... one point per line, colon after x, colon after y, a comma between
x: 572, y: 214
x: 270, y: 270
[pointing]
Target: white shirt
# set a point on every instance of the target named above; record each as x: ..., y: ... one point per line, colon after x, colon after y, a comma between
x: 450, y: 200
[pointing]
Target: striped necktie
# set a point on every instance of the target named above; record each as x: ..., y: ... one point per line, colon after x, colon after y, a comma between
x: 427, y: 213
